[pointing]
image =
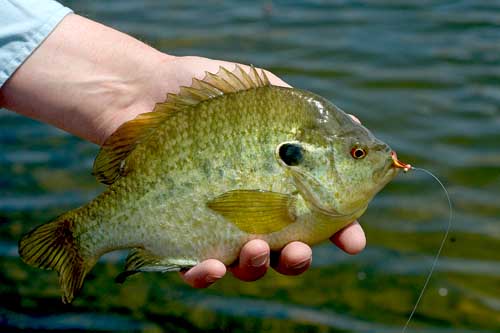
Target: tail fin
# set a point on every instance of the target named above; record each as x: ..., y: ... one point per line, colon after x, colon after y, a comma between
x: 52, y: 246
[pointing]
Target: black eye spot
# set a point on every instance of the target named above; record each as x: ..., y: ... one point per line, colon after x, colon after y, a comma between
x: 291, y: 154
x: 358, y: 153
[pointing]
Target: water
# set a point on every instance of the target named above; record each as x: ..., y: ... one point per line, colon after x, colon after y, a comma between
x: 423, y: 75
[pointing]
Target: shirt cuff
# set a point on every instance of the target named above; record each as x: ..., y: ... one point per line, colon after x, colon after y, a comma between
x: 19, y: 46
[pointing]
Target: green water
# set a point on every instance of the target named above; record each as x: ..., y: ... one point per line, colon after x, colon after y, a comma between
x: 423, y: 75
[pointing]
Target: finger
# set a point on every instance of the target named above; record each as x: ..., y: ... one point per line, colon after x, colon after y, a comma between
x: 351, y: 239
x: 253, y: 262
x: 294, y: 259
x: 356, y: 119
x: 204, y: 274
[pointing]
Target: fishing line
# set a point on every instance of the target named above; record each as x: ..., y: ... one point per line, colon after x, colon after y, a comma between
x: 435, y: 261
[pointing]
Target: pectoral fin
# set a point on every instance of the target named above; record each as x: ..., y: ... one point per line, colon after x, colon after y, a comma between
x: 255, y: 211
x: 141, y: 260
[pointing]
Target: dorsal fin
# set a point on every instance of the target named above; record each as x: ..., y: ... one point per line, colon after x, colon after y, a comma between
x: 110, y: 163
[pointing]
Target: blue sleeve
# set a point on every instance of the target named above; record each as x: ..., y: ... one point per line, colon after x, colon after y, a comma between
x: 24, y: 25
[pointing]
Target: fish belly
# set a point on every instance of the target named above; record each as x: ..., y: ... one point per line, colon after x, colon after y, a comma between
x: 167, y: 228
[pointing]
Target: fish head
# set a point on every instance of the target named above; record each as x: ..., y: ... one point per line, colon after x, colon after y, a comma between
x: 337, y: 164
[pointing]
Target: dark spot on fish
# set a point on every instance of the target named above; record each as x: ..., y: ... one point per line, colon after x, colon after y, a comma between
x: 291, y: 154
x: 207, y: 167
x: 453, y: 239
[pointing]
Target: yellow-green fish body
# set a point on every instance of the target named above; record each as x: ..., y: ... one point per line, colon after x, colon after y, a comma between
x: 230, y: 159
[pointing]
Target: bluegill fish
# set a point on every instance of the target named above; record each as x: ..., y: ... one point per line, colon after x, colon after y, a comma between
x: 229, y: 159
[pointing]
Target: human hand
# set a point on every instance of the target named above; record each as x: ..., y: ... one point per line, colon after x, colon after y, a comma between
x: 255, y: 258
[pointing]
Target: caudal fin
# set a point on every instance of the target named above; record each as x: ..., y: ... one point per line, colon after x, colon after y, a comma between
x: 52, y: 246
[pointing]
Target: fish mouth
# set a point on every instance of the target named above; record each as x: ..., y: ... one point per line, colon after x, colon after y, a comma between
x: 391, y: 167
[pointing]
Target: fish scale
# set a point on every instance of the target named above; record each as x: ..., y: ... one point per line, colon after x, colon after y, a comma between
x: 175, y: 162
x: 228, y: 160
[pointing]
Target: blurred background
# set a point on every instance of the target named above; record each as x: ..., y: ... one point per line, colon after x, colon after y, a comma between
x: 424, y: 76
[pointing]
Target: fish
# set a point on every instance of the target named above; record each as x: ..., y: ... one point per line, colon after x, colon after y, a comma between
x: 228, y: 159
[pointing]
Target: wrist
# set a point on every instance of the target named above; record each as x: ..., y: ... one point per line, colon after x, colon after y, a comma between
x: 131, y: 94
x: 89, y: 85
x: 160, y: 75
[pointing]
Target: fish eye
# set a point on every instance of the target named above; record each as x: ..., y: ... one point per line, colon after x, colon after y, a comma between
x: 291, y: 153
x: 358, y: 153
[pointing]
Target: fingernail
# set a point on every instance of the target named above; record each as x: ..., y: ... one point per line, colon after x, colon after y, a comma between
x: 259, y: 260
x: 212, y: 278
x: 300, y: 265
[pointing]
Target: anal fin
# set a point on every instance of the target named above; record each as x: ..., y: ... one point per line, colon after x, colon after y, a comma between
x: 141, y: 260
